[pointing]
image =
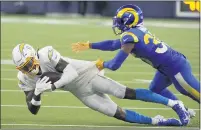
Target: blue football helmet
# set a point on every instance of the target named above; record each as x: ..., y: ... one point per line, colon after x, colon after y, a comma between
x: 126, y: 17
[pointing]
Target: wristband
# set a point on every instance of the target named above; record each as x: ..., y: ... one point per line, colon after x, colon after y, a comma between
x: 35, y: 103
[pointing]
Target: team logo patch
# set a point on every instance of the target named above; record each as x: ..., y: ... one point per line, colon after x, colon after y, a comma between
x: 50, y: 54
x: 21, y: 47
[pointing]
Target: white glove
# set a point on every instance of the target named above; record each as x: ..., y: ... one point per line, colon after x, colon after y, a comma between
x: 42, y: 85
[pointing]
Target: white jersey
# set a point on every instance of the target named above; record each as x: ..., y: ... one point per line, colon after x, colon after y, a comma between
x: 90, y: 87
x: 48, y: 59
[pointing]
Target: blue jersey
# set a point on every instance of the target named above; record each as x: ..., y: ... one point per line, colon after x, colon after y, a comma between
x: 152, y: 50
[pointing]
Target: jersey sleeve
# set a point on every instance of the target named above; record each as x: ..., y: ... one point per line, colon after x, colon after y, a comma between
x: 53, y: 56
x: 23, y: 86
x: 129, y: 37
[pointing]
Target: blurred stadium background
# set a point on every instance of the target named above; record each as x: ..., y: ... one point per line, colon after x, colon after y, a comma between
x: 60, y: 23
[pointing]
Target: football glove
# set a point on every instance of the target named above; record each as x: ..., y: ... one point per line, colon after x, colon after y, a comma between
x: 42, y: 85
x: 99, y: 64
x: 80, y: 46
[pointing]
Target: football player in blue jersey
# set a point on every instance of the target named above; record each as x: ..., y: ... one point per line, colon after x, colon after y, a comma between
x: 172, y: 66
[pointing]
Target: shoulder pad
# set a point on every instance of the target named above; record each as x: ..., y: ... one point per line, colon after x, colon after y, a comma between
x: 49, y: 55
x: 129, y: 37
x: 45, y: 53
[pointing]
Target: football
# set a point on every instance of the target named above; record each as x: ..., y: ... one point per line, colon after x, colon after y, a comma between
x: 53, y: 76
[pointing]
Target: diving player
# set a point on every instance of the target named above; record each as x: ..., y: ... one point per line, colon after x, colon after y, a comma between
x: 172, y: 66
x: 84, y: 80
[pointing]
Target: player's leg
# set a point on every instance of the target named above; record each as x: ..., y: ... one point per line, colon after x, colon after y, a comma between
x: 186, y: 83
x: 159, y: 85
x: 103, y: 104
x: 105, y: 85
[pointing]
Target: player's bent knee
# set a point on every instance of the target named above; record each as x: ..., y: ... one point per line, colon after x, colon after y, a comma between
x: 108, y: 109
x: 120, y: 93
x: 120, y: 114
x: 130, y: 94
x: 152, y: 87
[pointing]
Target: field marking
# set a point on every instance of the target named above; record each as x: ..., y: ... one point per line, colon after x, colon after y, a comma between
x: 80, y: 107
x: 10, y: 90
x: 10, y: 62
x: 91, y: 58
x: 134, y: 81
x: 121, y: 73
x: 100, y: 126
x: 123, y: 81
x: 108, y: 72
x: 195, y: 50
x: 100, y: 24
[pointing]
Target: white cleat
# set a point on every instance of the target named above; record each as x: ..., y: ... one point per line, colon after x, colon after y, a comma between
x: 191, y: 112
x: 161, y: 121
x: 182, y: 113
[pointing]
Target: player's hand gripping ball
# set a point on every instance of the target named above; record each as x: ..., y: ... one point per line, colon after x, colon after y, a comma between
x: 53, y: 76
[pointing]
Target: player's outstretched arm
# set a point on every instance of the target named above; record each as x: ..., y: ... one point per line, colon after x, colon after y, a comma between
x: 117, y: 61
x: 62, y: 66
x: 107, y: 45
x: 33, y: 101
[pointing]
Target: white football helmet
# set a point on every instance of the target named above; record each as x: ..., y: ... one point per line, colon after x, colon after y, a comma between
x: 25, y: 58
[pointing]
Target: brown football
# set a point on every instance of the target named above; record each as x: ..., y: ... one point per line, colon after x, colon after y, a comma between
x: 53, y: 76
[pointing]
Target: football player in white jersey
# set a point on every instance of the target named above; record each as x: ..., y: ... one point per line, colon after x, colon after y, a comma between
x: 84, y: 80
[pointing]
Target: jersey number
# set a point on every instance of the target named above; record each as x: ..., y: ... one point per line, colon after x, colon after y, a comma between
x: 148, y: 37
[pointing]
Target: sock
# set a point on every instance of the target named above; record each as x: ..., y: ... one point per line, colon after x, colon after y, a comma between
x: 155, y: 121
x: 171, y: 103
x: 168, y: 94
x: 149, y: 96
x: 134, y: 117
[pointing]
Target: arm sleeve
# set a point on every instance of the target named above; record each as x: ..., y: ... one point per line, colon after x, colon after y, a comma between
x: 30, y: 97
x: 62, y: 66
x: 117, y: 61
x: 108, y: 45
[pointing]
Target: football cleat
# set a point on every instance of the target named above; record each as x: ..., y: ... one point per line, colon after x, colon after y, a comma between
x: 182, y: 113
x: 169, y: 122
x: 161, y: 121
x: 191, y: 112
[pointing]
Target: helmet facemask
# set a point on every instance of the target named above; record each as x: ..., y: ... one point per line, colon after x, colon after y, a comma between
x: 30, y: 66
x: 119, y: 26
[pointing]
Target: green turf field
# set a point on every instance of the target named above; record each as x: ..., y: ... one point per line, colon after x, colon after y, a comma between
x: 63, y: 110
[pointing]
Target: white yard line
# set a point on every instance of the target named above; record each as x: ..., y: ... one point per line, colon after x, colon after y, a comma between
x: 194, y: 49
x: 9, y: 79
x: 80, y: 107
x: 10, y: 62
x: 108, y: 72
x: 16, y: 91
x: 100, y: 126
x: 87, y: 22
x: 142, y: 81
